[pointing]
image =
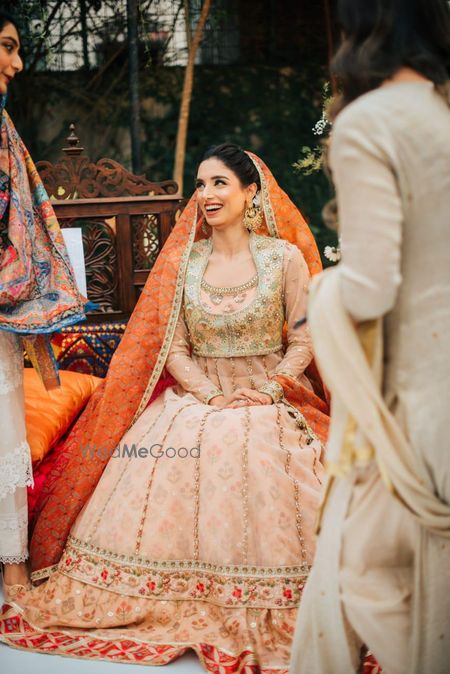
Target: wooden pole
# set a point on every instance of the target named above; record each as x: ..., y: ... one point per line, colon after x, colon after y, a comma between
x: 133, y: 60
x: 183, y: 119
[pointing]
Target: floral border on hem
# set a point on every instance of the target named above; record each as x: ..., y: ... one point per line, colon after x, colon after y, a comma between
x: 177, y: 580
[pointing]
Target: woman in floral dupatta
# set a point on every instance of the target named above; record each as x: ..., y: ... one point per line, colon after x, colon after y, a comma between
x: 199, y: 531
x: 38, y: 295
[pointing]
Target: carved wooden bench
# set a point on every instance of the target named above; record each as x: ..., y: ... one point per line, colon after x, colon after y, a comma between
x: 125, y: 220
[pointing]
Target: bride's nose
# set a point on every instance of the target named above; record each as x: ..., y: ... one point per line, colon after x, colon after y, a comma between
x: 17, y: 63
x: 208, y: 192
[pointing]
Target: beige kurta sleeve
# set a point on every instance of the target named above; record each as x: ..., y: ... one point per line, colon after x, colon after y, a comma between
x: 299, y: 352
x: 370, y: 214
x: 185, y: 370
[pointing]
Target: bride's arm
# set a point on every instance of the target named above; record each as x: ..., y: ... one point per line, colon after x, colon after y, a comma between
x: 299, y: 352
x: 186, y: 371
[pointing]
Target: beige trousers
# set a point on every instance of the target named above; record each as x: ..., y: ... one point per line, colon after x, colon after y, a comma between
x: 360, y: 588
x: 376, y: 574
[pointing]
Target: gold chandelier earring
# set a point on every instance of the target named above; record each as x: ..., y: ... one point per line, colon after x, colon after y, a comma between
x: 252, y: 216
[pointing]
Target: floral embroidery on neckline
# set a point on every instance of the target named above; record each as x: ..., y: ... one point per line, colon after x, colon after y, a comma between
x: 254, y: 330
x: 258, y: 274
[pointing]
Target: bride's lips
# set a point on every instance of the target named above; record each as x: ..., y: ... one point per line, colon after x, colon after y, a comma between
x: 215, y: 208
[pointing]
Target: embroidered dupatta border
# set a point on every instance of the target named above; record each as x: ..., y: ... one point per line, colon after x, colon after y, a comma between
x: 171, y: 323
x: 265, y: 198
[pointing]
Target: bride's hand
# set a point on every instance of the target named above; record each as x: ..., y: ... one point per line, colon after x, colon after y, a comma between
x: 242, y: 397
x: 230, y: 401
x: 246, y: 397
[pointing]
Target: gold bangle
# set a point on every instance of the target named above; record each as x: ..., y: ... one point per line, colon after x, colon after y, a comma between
x: 273, y: 389
x: 210, y: 396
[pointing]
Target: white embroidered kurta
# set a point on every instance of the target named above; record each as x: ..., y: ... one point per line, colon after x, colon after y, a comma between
x: 15, y: 458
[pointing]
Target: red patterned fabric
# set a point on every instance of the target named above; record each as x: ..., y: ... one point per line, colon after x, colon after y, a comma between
x: 40, y: 475
x: 16, y: 632
x: 87, y: 349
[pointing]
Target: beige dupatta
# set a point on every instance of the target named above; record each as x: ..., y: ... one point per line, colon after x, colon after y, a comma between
x: 362, y: 427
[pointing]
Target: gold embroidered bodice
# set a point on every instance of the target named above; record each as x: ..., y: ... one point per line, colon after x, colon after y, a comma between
x: 254, y: 330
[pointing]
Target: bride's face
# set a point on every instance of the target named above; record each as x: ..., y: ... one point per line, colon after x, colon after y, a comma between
x: 221, y: 196
x: 10, y: 61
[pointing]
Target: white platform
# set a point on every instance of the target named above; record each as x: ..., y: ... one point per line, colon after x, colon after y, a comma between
x: 14, y: 661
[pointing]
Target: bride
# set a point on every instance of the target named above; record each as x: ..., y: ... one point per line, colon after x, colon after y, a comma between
x: 198, y: 533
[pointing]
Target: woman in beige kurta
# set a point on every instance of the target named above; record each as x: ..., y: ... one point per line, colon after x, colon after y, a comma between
x: 382, y: 571
x: 200, y: 532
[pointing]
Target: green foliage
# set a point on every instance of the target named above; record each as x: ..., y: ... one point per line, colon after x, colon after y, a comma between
x: 311, y: 160
x: 312, y: 163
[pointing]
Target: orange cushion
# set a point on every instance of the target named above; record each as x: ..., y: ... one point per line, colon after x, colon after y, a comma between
x: 49, y: 414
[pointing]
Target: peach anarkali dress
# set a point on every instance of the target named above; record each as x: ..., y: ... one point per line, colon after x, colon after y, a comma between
x: 202, y: 538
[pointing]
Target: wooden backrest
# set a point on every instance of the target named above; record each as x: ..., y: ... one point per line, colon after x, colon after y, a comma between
x: 125, y: 220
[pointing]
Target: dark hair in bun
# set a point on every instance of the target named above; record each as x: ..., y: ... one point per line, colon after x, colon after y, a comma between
x: 237, y: 161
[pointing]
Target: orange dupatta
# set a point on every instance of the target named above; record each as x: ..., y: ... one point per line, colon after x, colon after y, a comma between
x: 134, y: 376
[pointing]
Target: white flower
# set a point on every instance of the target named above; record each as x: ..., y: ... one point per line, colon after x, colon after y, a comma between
x: 331, y: 253
x: 319, y: 127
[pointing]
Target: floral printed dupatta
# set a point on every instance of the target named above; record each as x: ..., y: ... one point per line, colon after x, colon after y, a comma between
x: 38, y: 293
x: 136, y: 375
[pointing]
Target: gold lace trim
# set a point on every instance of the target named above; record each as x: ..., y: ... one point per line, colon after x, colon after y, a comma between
x: 229, y: 290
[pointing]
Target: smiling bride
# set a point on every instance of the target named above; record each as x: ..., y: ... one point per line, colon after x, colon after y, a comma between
x: 147, y: 555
